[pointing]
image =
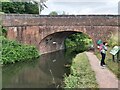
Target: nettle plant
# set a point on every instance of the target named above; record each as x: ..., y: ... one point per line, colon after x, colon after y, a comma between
x: 12, y: 51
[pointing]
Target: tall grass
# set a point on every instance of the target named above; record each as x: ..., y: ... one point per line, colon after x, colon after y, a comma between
x: 81, y: 75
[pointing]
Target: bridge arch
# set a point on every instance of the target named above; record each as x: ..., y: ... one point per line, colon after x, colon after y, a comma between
x: 35, y: 35
x: 33, y: 29
x: 55, y: 41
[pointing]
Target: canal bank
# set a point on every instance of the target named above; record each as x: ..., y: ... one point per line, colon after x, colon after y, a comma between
x: 81, y: 75
x: 55, y: 69
x: 48, y: 71
x: 45, y: 72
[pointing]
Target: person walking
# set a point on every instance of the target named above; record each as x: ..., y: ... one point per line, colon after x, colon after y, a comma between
x: 103, y: 49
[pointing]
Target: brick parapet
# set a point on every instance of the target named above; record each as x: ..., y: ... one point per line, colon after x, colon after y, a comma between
x: 60, y: 20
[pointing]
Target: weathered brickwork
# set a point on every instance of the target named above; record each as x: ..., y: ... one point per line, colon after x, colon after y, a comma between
x: 48, y: 33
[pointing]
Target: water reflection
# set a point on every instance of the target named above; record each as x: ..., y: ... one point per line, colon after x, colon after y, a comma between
x: 46, y: 72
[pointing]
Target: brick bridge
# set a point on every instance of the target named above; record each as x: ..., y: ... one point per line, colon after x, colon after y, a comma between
x: 48, y: 33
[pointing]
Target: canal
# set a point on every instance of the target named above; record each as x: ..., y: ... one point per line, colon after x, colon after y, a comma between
x: 46, y: 72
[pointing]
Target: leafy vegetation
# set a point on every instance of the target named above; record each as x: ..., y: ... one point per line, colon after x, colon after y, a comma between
x: 4, y: 0
x: 78, y: 40
x: 11, y: 6
x: 19, y: 7
x: 3, y: 32
x: 113, y: 41
x: 13, y: 51
x: 53, y: 13
x: 81, y: 75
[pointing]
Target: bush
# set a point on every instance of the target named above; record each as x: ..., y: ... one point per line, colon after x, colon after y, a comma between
x: 114, y: 40
x: 13, y: 51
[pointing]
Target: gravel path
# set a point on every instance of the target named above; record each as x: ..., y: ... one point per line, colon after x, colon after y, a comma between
x: 105, y: 78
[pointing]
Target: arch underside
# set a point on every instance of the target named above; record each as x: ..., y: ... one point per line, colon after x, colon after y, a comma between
x: 54, y: 42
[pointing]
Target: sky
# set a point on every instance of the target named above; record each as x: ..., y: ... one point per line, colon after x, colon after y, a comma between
x: 82, y: 7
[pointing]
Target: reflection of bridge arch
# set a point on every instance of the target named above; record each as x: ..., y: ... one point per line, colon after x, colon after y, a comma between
x: 33, y: 29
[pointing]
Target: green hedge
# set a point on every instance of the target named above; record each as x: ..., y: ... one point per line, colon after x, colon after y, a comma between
x: 13, y: 51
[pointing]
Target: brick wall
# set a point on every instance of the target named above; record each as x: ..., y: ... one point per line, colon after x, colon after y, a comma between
x: 35, y: 29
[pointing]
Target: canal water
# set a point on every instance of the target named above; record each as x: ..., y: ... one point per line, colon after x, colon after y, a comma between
x: 46, y: 72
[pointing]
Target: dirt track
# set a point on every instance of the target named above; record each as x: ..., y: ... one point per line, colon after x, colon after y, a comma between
x: 105, y: 78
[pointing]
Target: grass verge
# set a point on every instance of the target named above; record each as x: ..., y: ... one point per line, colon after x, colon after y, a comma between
x: 81, y: 75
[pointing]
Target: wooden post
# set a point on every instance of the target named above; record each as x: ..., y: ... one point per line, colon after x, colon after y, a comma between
x: 113, y: 58
x: 118, y: 59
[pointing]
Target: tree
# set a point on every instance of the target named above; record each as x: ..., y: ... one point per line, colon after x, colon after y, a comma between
x: 10, y: 7
x: 63, y: 13
x: 29, y: 10
x: 78, y: 40
x: 28, y: 7
x: 19, y: 7
x: 41, y: 4
x: 4, y: 0
x: 53, y: 13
